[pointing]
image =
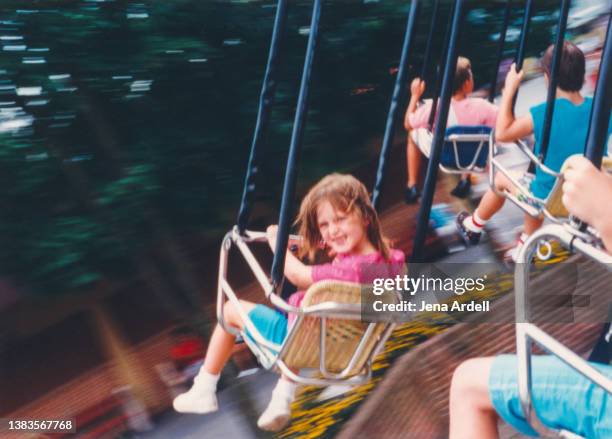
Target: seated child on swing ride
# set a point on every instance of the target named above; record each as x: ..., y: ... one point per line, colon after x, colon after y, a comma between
x: 567, y: 137
x: 336, y: 214
x: 463, y: 110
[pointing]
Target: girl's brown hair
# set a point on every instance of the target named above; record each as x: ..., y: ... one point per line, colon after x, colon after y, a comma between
x: 346, y: 194
x: 571, y: 68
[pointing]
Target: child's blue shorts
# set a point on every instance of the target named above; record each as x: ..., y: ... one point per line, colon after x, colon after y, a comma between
x: 562, y: 397
x: 270, y: 323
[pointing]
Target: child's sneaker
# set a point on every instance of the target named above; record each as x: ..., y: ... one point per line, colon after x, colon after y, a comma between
x: 463, y: 188
x: 276, y: 416
x: 510, y: 256
x: 278, y: 413
x: 200, y: 399
x: 411, y: 195
x: 468, y: 236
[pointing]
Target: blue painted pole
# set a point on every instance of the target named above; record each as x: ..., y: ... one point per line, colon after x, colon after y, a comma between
x: 553, y: 79
x: 600, y: 113
x: 438, y: 138
x: 266, y: 100
x: 398, y: 91
x: 429, y: 44
x: 500, y: 51
x: 434, y: 103
x: 284, y: 221
x: 520, y: 53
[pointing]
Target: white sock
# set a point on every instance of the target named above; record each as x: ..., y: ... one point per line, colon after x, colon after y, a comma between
x: 206, y: 380
x: 285, y: 389
x: 521, y: 240
x: 474, y: 223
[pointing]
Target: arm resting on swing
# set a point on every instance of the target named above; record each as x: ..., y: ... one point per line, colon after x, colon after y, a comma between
x: 508, y: 128
x: 298, y: 273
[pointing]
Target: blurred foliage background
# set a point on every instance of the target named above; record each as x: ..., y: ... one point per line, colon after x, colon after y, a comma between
x: 123, y: 124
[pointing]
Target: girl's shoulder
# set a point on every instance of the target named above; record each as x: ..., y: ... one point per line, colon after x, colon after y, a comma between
x: 395, y: 257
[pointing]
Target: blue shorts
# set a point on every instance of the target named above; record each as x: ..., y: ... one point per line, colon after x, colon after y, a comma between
x: 529, y: 180
x: 562, y: 398
x: 270, y: 323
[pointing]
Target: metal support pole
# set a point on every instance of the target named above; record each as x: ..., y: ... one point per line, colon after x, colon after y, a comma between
x: 428, y: 45
x: 438, y: 139
x: 398, y: 91
x: 520, y: 53
x: 266, y: 99
x: 284, y: 222
x: 600, y: 113
x: 553, y: 79
x: 500, y: 51
x: 434, y: 103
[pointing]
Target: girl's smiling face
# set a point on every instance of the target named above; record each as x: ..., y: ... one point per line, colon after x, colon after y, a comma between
x: 344, y: 233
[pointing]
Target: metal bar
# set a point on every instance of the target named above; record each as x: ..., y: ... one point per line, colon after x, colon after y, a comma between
x: 600, y: 113
x: 428, y: 45
x: 500, y: 51
x: 526, y: 331
x: 567, y: 356
x: 523, y: 353
x: 441, y: 67
x: 266, y: 100
x: 594, y: 253
x: 248, y: 324
x: 553, y: 79
x: 523, y: 342
x: 294, y: 150
x: 434, y: 159
x: 353, y: 381
x: 225, y: 247
x: 322, y: 347
x: 398, y: 91
x: 520, y: 53
x: 253, y: 264
x: 358, y: 350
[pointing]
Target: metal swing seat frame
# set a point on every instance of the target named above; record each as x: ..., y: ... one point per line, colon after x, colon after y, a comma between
x: 570, y: 235
x: 332, y: 312
x: 551, y: 207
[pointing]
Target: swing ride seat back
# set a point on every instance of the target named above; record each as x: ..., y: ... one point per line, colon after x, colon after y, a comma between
x: 347, y: 345
x: 465, y: 149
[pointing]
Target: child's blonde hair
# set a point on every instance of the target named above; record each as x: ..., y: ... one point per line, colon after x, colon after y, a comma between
x: 346, y: 194
x: 463, y: 73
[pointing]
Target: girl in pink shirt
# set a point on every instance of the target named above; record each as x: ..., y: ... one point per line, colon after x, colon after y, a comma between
x: 336, y: 215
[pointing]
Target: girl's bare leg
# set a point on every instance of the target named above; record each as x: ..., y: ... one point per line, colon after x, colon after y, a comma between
x: 472, y: 415
x: 491, y: 203
x: 413, y: 156
x: 201, y: 398
x: 532, y: 224
x: 222, y: 342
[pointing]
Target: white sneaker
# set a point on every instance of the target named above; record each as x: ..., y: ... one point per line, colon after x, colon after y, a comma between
x: 511, y: 255
x: 276, y: 416
x: 196, y: 400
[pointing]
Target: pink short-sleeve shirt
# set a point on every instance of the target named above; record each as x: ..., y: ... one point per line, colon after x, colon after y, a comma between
x: 469, y: 111
x: 354, y: 268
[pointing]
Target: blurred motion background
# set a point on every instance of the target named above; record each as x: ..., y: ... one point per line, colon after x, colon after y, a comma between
x: 125, y: 130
